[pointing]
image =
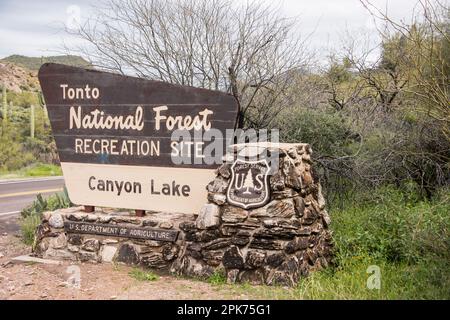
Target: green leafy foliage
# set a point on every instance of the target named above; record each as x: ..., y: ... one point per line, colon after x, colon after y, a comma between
x: 217, y: 278
x: 406, y: 238
x: 143, y: 275
x: 41, y: 204
x: 28, y: 226
x: 31, y: 216
x: 18, y: 148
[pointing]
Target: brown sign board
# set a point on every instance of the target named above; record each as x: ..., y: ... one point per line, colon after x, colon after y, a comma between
x: 117, y: 137
x: 120, y: 231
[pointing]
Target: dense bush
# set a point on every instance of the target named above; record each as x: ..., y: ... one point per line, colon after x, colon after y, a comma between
x: 31, y: 216
x: 394, y: 230
x: 333, y: 142
x: 18, y: 148
x: 41, y: 204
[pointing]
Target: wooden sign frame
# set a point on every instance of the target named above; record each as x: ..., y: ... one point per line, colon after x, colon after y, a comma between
x: 114, y: 136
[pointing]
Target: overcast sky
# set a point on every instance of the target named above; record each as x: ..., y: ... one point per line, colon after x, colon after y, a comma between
x: 34, y: 28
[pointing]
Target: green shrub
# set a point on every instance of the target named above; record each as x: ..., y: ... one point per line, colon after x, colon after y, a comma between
x: 142, y: 275
x: 410, y: 239
x: 333, y: 143
x: 57, y: 201
x: 28, y: 227
x: 217, y: 278
x: 42, y: 170
x: 327, y: 133
x: 32, y: 215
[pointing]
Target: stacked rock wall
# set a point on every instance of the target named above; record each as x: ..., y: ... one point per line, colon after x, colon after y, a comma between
x: 274, y: 244
x: 52, y: 240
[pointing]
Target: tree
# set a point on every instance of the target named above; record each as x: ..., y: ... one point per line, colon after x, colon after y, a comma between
x: 248, y: 182
x: 248, y: 50
x: 427, y: 42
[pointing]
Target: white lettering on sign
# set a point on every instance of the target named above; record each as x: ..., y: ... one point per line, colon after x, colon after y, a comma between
x: 180, y: 190
x: 128, y: 147
x: 79, y: 93
x: 98, y: 120
x: 199, y: 122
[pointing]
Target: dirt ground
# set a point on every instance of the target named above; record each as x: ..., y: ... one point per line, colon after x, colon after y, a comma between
x: 97, y: 281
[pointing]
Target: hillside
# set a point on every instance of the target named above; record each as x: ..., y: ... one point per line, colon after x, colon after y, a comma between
x: 17, y: 78
x: 34, y: 63
x: 19, y: 73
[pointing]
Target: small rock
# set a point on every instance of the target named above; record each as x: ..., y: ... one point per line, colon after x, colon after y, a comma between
x: 84, y: 256
x: 58, y: 242
x: 46, y: 215
x: 232, y: 276
x: 127, y: 254
x: 91, y: 217
x: 154, y: 260
x: 320, y: 198
x: 113, y: 297
x: 109, y: 241
x: 326, y: 218
x: 166, y: 225
x: 56, y: 221
x: 208, y: 217
x: 218, y: 185
x: 233, y: 214
x: 232, y: 259
x: 108, y: 253
x: 217, y: 198
x: 170, y: 252
x: 224, y: 170
x: 255, y: 259
x: 91, y: 245
x: 72, y: 248
x: 28, y: 283
x: 104, y: 219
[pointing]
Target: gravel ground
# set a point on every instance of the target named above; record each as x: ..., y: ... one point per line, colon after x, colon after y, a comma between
x: 97, y: 281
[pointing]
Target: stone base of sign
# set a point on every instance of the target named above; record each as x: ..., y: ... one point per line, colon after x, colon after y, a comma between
x: 277, y: 243
x: 54, y: 241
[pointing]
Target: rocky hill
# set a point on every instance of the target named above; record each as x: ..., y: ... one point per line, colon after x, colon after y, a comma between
x: 17, y: 78
x: 34, y: 63
x: 19, y: 73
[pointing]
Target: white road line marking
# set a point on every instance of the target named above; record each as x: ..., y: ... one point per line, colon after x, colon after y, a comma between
x: 31, y: 192
x: 2, y: 182
x: 8, y: 213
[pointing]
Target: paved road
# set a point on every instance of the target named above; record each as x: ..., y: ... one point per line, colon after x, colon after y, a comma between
x: 17, y: 194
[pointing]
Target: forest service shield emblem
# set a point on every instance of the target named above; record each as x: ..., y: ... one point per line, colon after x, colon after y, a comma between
x: 249, y: 185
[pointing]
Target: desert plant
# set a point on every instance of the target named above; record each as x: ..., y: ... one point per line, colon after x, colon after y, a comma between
x: 28, y: 226
x: 217, y: 278
x: 4, y: 104
x: 142, y: 275
x: 41, y: 204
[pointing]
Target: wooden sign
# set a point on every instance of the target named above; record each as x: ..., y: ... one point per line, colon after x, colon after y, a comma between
x: 120, y: 231
x: 122, y: 140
